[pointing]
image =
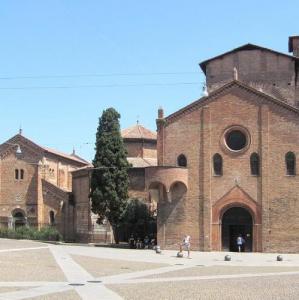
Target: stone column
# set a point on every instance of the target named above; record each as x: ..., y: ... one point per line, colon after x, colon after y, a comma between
x: 10, y: 222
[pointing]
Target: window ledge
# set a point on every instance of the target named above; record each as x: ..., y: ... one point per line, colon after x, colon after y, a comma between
x: 288, y: 175
x: 215, y: 175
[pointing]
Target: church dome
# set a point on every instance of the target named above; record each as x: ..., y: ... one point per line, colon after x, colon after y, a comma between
x: 138, y: 132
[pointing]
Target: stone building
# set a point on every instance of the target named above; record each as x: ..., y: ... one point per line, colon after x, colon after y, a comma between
x: 35, y: 185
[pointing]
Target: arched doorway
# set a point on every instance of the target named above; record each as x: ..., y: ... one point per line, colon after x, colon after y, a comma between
x: 236, y: 221
x: 18, y: 219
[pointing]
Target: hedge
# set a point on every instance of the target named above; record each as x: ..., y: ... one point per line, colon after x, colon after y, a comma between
x: 31, y: 233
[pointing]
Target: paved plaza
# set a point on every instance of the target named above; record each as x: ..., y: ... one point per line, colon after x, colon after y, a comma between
x: 34, y: 270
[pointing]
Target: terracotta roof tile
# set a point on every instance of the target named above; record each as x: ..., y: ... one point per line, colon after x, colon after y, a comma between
x: 138, y: 132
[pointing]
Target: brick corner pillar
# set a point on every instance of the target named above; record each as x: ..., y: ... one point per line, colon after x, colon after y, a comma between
x: 40, y: 198
x: 206, y: 179
x: 160, y: 121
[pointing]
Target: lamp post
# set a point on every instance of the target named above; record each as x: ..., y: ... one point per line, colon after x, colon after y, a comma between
x: 18, y: 151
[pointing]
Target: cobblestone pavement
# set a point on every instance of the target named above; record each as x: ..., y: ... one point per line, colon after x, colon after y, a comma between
x: 33, y: 270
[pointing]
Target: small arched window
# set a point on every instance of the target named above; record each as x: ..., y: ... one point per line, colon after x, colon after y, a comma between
x: 182, y: 161
x: 255, y: 164
x: 290, y: 160
x: 217, y: 164
x: 16, y: 174
x: 52, y: 217
x: 21, y: 174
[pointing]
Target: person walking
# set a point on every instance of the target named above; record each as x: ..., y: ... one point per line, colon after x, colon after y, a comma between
x: 186, y: 244
x: 240, y: 242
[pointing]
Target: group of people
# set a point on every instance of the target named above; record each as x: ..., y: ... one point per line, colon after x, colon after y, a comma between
x: 138, y: 243
x: 148, y: 243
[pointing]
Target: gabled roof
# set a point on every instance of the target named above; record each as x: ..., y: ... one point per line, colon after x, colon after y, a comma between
x: 235, y: 83
x: 67, y: 156
x: 18, y: 138
x: 203, y: 64
x: 138, y: 132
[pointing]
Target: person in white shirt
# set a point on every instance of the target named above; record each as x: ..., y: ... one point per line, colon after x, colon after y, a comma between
x: 240, y: 242
x: 186, y: 244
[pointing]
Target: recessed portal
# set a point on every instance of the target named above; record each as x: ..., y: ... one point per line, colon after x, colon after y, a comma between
x: 236, y: 221
x: 19, y: 219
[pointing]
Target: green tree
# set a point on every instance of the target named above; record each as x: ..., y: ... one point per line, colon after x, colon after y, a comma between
x: 109, y: 180
x: 138, y: 220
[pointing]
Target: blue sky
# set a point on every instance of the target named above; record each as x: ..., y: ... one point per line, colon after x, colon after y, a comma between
x: 63, y: 62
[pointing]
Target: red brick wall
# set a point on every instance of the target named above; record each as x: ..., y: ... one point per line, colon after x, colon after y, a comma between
x: 263, y: 69
x: 141, y: 149
x: 273, y: 131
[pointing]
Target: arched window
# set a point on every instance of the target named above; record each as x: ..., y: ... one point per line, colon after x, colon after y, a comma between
x: 52, y: 217
x: 255, y: 164
x: 16, y: 174
x: 182, y: 161
x: 290, y: 160
x: 217, y: 164
x: 21, y: 174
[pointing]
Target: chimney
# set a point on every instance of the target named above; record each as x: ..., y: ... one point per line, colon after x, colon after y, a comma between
x: 160, y: 136
x: 160, y: 113
x: 294, y: 45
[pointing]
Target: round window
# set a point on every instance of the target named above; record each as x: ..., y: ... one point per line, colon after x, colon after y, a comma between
x: 236, y: 140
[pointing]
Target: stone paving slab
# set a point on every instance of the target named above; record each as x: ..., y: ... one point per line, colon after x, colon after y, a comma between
x: 98, y: 267
x: 266, y: 288
x: 34, y: 270
x: 222, y: 270
x: 69, y: 295
x: 33, y: 265
x: 14, y: 244
x: 11, y: 289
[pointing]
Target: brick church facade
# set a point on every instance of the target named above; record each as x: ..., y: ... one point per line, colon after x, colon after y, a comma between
x: 237, y: 147
x: 224, y: 165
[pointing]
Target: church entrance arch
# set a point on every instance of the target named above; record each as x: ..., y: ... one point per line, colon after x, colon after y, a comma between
x: 19, y: 218
x: 236, y: 221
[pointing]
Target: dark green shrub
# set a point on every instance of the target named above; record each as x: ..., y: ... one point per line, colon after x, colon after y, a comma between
x: 49, y: 234
x: 31, y: 233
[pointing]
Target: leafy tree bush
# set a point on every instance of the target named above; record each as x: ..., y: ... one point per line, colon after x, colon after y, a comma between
x: 138, y: 220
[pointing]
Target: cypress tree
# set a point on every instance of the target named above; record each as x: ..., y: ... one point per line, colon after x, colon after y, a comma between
x: 109, y: 180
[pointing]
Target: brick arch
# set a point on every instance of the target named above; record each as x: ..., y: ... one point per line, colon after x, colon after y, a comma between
x: 18, y: 210
x: 178, y: 182
x: 166, y: 175
x: 236, y: 197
